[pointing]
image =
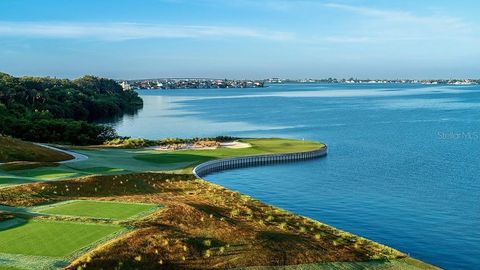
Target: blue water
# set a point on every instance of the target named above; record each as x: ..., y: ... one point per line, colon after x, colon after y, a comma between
x: 403, y: 164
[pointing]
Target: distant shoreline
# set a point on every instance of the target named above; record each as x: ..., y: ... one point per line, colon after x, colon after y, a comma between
x: 175, y: 84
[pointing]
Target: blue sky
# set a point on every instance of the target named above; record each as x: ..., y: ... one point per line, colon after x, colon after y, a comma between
x: 241, y: 38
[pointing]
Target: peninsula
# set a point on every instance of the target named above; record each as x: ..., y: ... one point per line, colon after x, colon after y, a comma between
x: 128, y: 208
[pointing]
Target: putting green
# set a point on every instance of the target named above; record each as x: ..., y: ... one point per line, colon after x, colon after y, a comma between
x: 98, y: 209
x: 52, y: 238
x: 259, y: 146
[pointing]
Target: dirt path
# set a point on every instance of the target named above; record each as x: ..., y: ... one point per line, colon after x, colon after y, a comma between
x: 76, y: 156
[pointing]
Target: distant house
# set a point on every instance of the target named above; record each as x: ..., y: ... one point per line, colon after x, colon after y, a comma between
x: 126, y: 86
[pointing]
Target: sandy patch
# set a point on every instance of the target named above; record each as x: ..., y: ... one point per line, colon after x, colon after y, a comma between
x: 190, y: 146
x: 235, y: 145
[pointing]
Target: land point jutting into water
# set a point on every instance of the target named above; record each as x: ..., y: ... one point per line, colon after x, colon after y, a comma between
x: 137, y: 207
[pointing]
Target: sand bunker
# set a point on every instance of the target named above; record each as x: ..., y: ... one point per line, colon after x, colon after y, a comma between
x: 235, y: 145
x: 196, y: 146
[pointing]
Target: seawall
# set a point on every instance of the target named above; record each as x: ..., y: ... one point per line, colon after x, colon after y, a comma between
x: 246, y: 161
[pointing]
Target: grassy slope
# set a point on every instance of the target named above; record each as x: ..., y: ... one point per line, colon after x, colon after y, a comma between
x: 49, y: 238
x: 18, y: 150
x: 114, y: 161
x: 398, y: 264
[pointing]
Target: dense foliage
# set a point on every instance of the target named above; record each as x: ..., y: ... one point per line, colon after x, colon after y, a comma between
x: 61, y: 110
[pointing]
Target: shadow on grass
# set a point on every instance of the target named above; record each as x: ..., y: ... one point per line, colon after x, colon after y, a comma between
x: 13, y: 217
x: 204, y: 243
x: 278, y: 237
x: 26, y: 165
x: 6, y: 181
x: 215, y: 211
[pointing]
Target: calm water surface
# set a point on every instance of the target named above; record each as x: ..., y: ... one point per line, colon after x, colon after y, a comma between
x: 403, y: 164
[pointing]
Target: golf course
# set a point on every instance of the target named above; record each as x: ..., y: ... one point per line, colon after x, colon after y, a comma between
x: 108, y: 161
x: 141, y: 208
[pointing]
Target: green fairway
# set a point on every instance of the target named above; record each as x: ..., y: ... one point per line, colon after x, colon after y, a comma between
x: 259, y: 146
x: 13, y: 180
x: 98, y: 209
x: 117, y: 161
x: 9, y: 268
x: 52, y: 238
x: 100, y: 170
x: 47, y: 173
x: 276, y: 145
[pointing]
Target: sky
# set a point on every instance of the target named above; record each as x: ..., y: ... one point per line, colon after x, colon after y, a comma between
x: 240, y: 39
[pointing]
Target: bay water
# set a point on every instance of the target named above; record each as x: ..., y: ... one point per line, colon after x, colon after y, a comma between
x: 403, y: 164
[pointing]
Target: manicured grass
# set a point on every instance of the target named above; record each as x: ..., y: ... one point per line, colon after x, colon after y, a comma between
x: 259, y: 146
x: 47, y: 173
x: 11, y: 180
x: 184, y: 157
x: 276, y: 145
x: 9, y: 268
x: 98, y: 209
x: 52, y: 238
x: 102, y: 170
x: 107, y: 161
x: 17, y: 150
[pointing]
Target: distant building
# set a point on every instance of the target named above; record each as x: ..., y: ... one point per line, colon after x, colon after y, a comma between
x: 126, y: 86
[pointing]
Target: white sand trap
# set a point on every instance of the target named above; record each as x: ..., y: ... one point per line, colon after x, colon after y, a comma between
x: 235, y: 145
x: 190, y: 146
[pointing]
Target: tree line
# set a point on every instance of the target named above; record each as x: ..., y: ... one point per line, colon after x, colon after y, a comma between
x: 62, y: 110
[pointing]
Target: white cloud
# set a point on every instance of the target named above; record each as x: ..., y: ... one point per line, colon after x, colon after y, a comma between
x: 127, y: 31
x: 373, y: 25
x: 436, y: 22
x: 386, y: 25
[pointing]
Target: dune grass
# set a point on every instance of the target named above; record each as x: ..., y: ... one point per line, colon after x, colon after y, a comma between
x: 396, y: 264
x: 98, y: 209
x: 52, y: 238
x: 17, y: 150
